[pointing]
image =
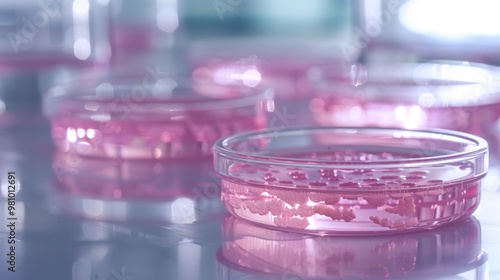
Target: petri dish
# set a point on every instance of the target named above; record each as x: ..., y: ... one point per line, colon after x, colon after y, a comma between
x: 149, y: 117
x: 348, y: 181
x: 452, y: 95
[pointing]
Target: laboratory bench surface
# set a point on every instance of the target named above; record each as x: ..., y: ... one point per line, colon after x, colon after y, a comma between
x: 62, y: 236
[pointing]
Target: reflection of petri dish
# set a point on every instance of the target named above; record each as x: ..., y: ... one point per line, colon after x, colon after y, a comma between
x: 447, y: 251
x: 450, y: 95
x: 351, y: 180
x: 179, y: 191
x: 131, y: 179
x: 144, y: 118
x: 181, y: 210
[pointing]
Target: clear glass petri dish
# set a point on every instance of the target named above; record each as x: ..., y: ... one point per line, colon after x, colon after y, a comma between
x: 442, y: 253
x: 132, y: 117
x: 443, y: 94
x: 346, y: 181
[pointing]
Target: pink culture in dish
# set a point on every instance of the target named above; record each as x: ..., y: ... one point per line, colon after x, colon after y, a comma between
x: 390, y: 198
x: 351, y: 180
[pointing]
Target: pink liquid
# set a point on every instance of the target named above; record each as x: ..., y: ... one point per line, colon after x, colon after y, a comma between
x: 480, y: 120
x: 424, y: 255
x: 347, y: 201
x: 188, y: 136
x: 342, y: 111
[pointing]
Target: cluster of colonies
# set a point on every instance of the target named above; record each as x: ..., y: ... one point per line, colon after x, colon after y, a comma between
x: 189, y: 138
x: 392, y: 198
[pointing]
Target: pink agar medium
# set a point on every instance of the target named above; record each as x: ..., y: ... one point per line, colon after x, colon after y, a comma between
x: 451, y: 95
x: 390, y: 192
x: 160, y: 139
x: 129, y: 121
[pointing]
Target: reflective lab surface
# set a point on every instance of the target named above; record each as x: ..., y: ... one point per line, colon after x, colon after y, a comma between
x: 63, y: 232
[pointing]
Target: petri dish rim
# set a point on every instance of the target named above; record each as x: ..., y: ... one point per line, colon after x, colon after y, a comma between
x: 78, y: 95
x: 221, y: 149
x: 378, y: 81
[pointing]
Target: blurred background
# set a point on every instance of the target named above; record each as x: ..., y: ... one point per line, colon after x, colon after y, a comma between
x: 81, y: 216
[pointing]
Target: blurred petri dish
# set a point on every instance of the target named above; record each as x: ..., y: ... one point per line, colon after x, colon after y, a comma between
x: 452, y: 95
x: 148, y: 117
x: 278, y: 63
